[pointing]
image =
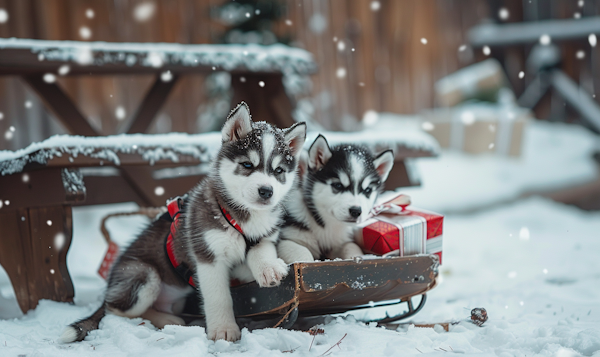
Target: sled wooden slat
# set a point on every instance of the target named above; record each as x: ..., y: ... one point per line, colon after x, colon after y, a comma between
x: 330, y: 287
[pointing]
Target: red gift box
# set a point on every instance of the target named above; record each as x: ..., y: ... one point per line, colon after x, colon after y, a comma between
x: 396, y: 228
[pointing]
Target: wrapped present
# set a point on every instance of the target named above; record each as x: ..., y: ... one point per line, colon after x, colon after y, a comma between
x: 478, y: 127
x: 480, y: 81
x: 393, y: 228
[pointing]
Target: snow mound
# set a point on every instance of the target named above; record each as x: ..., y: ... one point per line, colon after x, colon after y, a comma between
x: 554, y: 156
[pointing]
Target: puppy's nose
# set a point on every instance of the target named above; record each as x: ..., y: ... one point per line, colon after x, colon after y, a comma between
x: 265, y: 192
x: 355, y: 211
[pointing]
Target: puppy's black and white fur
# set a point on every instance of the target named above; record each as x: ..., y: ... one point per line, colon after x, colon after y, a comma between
x: 338, y: 187
x: 252, y: 174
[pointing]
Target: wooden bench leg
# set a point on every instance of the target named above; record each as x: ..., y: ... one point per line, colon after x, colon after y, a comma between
x: 33, y: 251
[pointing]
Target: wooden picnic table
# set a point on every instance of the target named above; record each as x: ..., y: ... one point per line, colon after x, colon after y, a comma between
x: 248, y: 64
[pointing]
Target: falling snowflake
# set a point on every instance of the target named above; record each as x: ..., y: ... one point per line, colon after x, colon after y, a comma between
x: 424, y: 40
x: 375, y: 5
x: 49, y: 222
x: 63, y: 70
x: 370, y: 117
x: 120, y: 113
x: 341, y: 72
x: 159, y: 191
x: 85, y: 32
x: 580, y: 54
x: 341, y: 46
x: 580, y: 3
x: 545, y: 271
x: 592, y: 40
x: 49, y: 78
x: 545, y: 40
x: 28, y: 104
x: 288, y: 22
x: 89, y: 13
x: 486, y: 50
x: 521, y: 74
x: 1, y: 115
x: 51, y: 271
x: 503, y: 13
x: 243, y: 79
x: 59, y: 241
x: 577, y: 15
x: 25, y: 178
x: 166, y: 76
x: 144, y: 11
x: 491, y: 146
x: 462, y: 48
x: 3, y: 16
x: 261, y: 83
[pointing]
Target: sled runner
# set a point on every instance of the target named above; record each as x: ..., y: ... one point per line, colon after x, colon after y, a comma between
x: 338, y: 286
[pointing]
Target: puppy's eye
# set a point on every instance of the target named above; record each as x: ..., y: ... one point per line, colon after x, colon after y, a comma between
x: 337, y: 186
x: 278, y: 170
x: 368, y: 190
x: 247, y: 164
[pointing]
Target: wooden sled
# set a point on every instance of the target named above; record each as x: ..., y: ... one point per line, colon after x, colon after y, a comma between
x: 331, y: 287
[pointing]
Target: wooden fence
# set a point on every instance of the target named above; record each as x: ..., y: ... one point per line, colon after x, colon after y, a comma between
x: 372, y: 55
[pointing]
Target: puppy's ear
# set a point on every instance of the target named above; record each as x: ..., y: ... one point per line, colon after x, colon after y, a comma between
x: 295, y: 137
x: 302, y: 164
x: 238, y: 123
x: 383, y: 164
x: 319, y: 153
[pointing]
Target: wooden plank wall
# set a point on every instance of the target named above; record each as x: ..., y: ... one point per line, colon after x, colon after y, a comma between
x: 389, y: 70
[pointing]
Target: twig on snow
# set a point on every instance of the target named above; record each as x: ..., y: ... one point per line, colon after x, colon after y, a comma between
x: 291, y: 351
x: 314, y: 331
x: 418, y: 350
x: 337, y: 344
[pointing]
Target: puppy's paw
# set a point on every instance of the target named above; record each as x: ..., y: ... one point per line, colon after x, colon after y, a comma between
x: 270, y: 273
x: 226, y: 331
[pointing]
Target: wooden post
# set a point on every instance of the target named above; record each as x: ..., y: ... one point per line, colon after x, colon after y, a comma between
x: 33, y: 251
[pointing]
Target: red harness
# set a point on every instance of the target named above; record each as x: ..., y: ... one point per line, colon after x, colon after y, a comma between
x: 174, y: 208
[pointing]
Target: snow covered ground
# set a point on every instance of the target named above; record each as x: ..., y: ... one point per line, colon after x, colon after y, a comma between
x: 532, y: 263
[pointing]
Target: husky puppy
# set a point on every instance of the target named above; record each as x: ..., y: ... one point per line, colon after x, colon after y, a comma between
x: 249, y: 179
x: 338, y: 186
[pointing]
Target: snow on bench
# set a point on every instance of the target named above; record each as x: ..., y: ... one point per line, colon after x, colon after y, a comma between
x: 407, y: 142
x: 256, y: 58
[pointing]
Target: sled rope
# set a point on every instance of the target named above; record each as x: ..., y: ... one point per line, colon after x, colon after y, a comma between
x: 150, y: 212
x: 296, y: 303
